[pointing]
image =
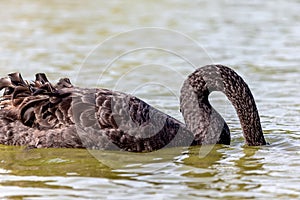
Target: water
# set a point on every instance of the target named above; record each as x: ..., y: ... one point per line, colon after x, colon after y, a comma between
x: 260, y: 40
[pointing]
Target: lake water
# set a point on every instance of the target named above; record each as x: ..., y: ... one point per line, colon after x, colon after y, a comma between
x: 111, y: 44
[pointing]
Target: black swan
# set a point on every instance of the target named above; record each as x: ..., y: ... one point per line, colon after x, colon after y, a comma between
x: 38, y: 114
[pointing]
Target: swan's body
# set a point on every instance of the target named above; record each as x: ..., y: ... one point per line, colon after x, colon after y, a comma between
x: 40, y: 114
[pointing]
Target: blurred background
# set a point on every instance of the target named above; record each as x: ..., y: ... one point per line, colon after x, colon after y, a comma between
x: 99, y: 43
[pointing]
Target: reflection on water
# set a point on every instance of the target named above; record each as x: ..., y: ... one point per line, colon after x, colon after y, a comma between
x: 258, y: 39
x: 227, y: 171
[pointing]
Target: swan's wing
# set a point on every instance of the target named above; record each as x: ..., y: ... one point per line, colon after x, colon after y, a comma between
x: 133, y: 125
x: 106, y: 119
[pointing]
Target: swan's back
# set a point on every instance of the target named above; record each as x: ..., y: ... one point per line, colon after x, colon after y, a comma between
x: 40, y: 114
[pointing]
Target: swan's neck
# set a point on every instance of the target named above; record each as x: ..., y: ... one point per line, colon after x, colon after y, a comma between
x: 203, y: 120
